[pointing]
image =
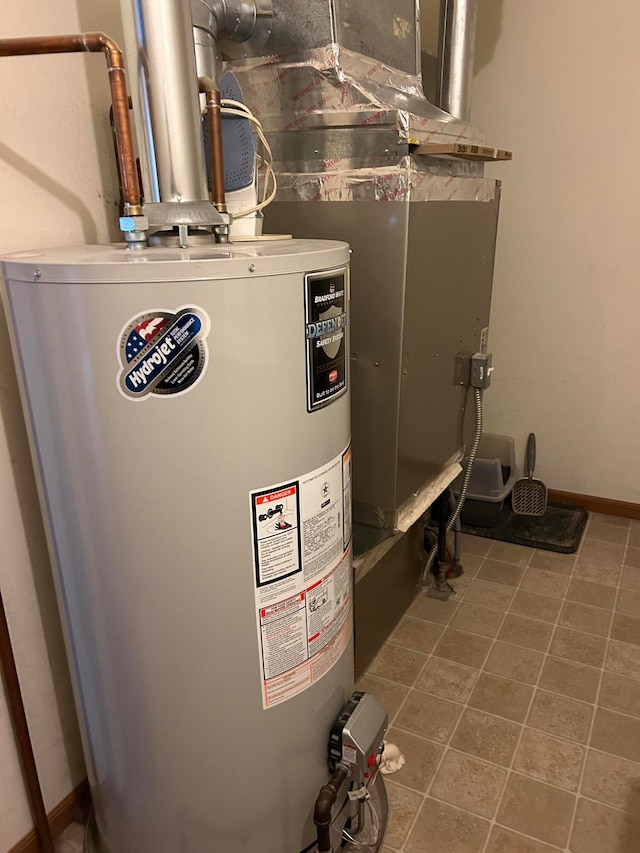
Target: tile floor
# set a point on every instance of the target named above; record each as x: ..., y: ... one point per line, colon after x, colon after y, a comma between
x: 517, y: 702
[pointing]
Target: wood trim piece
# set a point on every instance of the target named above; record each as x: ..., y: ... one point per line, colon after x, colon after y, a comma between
x: 462, y: 150
x: 607, y: 506
x: 74, y: 807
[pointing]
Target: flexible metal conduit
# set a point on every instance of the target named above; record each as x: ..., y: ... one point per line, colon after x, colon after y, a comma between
x: 23, y: 740
x: 95, y: 43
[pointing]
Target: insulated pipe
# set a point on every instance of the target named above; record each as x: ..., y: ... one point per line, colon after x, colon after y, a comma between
x: 164, y: 89
x: 456, y: 50
x: 23, y: 740
x: 95, y: 43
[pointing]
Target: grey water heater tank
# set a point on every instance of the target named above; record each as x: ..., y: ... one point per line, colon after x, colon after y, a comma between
x: 189, y: 421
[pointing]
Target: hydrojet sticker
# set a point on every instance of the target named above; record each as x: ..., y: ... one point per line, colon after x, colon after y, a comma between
x: 162, y: 352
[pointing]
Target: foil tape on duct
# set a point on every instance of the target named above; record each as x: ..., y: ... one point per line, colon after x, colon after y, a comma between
x: 333, y: 87
x: 404, y: 182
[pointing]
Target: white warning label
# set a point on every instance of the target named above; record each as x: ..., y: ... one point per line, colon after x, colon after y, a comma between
x: 302, y: 558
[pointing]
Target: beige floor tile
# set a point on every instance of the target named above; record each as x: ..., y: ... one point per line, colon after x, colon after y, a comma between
x: 422, y: 759
x: 561, y: 716
x: 629, y: 602
x: 613, y: 781
x: 397, y: 664
x: 632, y: 557
x: 416, y: 634
x: 471, y: 564
x: 600, y: 829
x: 447, y: 679
x: 596, y: 594
x: 606, y: 552
x: 403, y: 807
x: 574, y: 645
x: 634, y: 538
x: 428, y: 716
x: 534, y: 606
x: 545, y: 583
x: 475, y: 545
x: 626, y: 629
x: 462, y: 648
x: 514, y: 662
x: 505, y: 841
x: 477, y: 620
x: 501, y: 696
x: 469, y: 783
x: 506, y: 552
x: 603, y: 518
x: 623, y: 659
x: 486, y: 736
x: 504, y: 573
x: 583, y: 617
x: 616, y: 734
x: 433, y: 610
x: 461, y: 585
x: 537, y: 809
x: 443, y: 829
x: 525, y: 632
x: 552, y: 562
x: 599, y: 571
x: 630, y: 578
x: 606, y: 533
x: 570, y: 678
x: 620, y: 694
x: 390, y: 695
x: 489, y: 595
x: 550, y: 759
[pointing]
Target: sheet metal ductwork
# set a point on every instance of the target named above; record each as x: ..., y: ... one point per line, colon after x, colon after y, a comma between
x: 337, y: 87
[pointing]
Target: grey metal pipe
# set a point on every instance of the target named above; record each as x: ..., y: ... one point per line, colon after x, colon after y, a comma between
x: 164, y: 90
x: 456, y: 51
x: 233, y: 20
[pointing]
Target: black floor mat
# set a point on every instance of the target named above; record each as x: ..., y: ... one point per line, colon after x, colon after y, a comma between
x: 559, y: 529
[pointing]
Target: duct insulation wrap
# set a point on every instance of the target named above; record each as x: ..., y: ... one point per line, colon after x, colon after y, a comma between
x: 189, y: 419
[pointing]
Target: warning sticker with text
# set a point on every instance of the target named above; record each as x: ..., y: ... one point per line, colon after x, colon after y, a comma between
x: 302, y: 558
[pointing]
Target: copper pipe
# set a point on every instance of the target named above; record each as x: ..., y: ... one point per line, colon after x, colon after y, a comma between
x: 95, y: 43
x: 214, y: 125
x: 23, y: 740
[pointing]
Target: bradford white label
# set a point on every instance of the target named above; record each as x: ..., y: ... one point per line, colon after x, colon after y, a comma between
x: 326, y: 336
x: 163, y: 353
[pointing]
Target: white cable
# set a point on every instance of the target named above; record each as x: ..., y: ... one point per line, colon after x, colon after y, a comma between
x: 240, y: 110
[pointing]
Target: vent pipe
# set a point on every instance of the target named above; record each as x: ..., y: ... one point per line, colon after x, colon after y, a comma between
x: 166, y: 109
x: 456, y: 50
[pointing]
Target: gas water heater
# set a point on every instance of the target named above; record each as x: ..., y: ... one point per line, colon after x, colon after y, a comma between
x: 194, y: 464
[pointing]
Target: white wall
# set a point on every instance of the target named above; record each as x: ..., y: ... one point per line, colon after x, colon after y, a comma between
x: 58, y: 188
x: 557, y: 81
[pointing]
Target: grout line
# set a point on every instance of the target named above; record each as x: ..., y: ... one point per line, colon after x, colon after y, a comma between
x: 536, y: 687
x: 444, y: 752
x: 510, y: 769
x: 593, y: 721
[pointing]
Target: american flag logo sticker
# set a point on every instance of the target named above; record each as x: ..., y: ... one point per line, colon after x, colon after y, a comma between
x: 162, y: 353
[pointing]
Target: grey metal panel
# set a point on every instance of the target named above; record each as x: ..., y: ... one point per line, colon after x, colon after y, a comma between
x: 147, y: 505
x: 378, y: 237
x: 421, y: 293
x: 384, y: 594
x: 451, y: 249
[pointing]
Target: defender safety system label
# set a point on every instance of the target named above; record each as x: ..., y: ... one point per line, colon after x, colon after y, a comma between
x: 302, y: 562
x: 326, y: 302
x: 163, y: 353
